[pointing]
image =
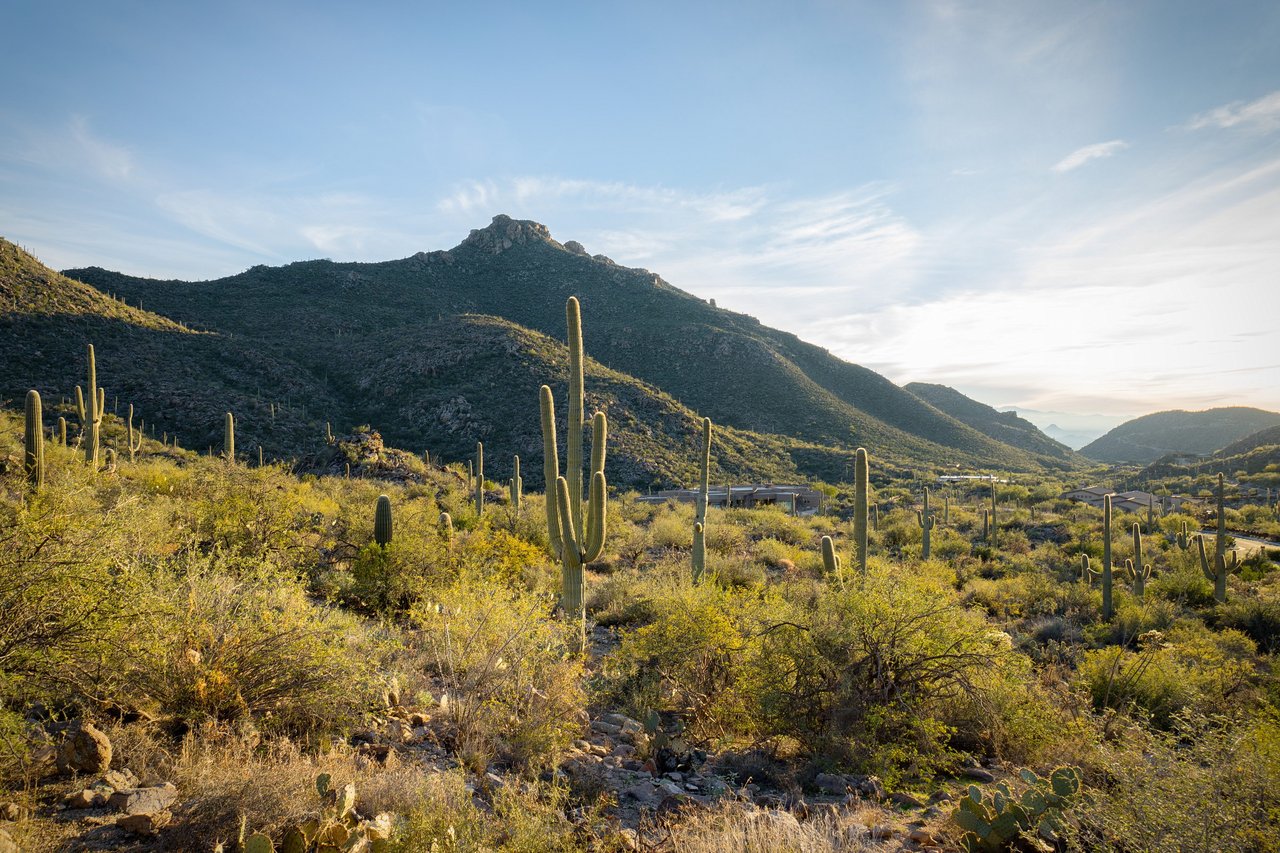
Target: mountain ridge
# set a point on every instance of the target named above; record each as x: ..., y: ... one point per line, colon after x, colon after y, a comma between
x: 1145, y: 439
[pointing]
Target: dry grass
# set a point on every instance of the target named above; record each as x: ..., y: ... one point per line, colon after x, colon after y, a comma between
x: 733, y: 829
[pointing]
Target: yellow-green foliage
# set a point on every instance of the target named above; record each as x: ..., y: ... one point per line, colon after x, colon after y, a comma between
x: 514, y: 689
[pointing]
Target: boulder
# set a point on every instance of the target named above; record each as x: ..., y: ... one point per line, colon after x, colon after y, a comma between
x: 136, y: 801
x: 84, y: 750
x: 143, y: 824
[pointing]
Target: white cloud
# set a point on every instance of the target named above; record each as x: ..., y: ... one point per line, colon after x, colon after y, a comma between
x: 1098, y: 150
x: 1264, y: 114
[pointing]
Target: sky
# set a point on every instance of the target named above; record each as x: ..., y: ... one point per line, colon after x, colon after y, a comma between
x: 1065, y: 208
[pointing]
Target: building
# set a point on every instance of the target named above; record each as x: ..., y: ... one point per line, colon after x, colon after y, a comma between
x: 1134, y: 501
x: 801, y: 500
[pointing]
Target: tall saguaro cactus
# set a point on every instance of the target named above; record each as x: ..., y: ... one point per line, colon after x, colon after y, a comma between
x: 861, y: 476
x: 90, y: 404
x: 33, y: 441
x: 1218, y: 570
x: 1134, y: 568
x: 1107, y: 609
x: 576, y: 534
x: 926, y: 521
x: 700, y: 511
x: 479, y: 494
x: 134, y: 439
x: 382, y: 521
x: 229, y: 437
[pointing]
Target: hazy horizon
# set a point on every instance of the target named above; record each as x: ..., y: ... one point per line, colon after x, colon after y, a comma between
x: 1056, y: 209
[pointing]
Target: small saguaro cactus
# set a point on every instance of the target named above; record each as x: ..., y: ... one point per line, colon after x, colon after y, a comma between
x: 134, y: 439
x: 700, y: 508
x: 382, y: 521
x: 33, y: 441
x: 328, y: 433
x: 89, y: 408
x: 1217, y: 570
x: 993, y: 530
x: 229, y: 437
x: 259, y: 455
x: 1183, y: 537
x: 926, y: 522
x: 479, y: 493
x: 1087, y: 571
x: 576, y: 533
x: 986, y: 525
x: 1137, y: 572
x: 861, y: 475
x: 1107, y: 609
x: 831, y: 560
x: 62, y: 431
x: 517, y: 485
x: 946, y: 508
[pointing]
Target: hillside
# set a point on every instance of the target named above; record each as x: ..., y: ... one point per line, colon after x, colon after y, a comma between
x: 1144, y: 440
x: 1002, y: 426
x: 480, y: 321
x: 1252, y: 454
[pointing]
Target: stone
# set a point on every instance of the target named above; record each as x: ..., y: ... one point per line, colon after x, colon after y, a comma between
x: 86, y: 799
x: 978, y: 774
x: 872, y: 788
x: 7, y: 844
x: 922, y: 836
x: 881, y: 831
x: 144, y: 800
x: 118, y: 780
x: 643, y: 793
x: 831, y: 783
x: 898, y: 798
x: 628, y: 838
x: 606, y: 728
x: 14, y: 812
x: 84, y: 750
x: 144, y: 824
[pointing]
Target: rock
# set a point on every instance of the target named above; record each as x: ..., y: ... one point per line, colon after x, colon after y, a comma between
x: 578, y: 249
x: 44, y: 760
x: 783, y: 822
x: 118, y: 780
x: 86, y: 799
x: 882, y: 831
x: 922, y: 836
x: 605, y: 728
x: 144, y: 824
x: 137, y: 801
x: 643, y: 793
x: 831, y: 783
x: 978, y: 774
x: 7, y: 844
x: 941, y: 795
x: 905, y: 800
x: 872, y: 788
x: 628, y: 838
x: 85, y: 750
x: 14, y: 812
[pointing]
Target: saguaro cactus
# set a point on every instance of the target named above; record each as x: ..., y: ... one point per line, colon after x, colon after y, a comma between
x: 446, y: 526
x: 926, y: 521
x: 1183, y: 537
x: 1134, y: 568
x: 62, y: 431
x: 861, y: 475
x: 517, y: 486
x: 576, y: 536
x: 1087, y: 571
x: 134, y: 440
x: 993, y: 530
x: 1107, y: 609
x: 229, y: 437
x: 382, y: 521
x: 831, y: 560
x: 33, y: 441
x: 479, y: 494
x: 90, y: 412
x: 1218, y: 570
x: 700, y: 508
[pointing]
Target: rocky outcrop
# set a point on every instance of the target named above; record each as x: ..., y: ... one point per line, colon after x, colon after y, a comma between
x: 505, y: 232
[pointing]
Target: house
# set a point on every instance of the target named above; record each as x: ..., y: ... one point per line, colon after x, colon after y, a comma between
x: 1134, y: 501
x: 802, y: 500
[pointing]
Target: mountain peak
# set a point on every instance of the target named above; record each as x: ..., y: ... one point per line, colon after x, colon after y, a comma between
x: 504, y: 232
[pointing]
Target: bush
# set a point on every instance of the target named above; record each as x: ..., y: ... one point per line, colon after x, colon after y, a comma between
x: 1259, y: 618
x: 513, y: 685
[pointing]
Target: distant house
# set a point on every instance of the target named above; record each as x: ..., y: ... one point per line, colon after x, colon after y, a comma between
x: 801, y: 499
x: 1134, y: 501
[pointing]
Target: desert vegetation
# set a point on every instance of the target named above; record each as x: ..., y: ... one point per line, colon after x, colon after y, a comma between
x: 201, y: 651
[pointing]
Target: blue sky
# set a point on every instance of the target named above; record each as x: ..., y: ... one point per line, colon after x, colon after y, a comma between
x: 1066, y: 207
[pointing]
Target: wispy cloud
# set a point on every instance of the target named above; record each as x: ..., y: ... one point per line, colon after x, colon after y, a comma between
x: 1097, y: 151
x: 1262, y: 114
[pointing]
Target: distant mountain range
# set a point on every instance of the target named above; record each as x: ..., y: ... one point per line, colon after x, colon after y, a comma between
x: 1148, y: 438
x: 445, y: 348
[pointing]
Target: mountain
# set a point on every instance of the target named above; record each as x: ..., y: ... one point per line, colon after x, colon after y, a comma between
x: 1252, y: 454
x: 1002, y: 426
x: 1144, y: 440
x: 445, y: 348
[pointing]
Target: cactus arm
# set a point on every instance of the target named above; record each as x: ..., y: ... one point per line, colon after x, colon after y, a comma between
x: 597, y: 517
x: 550, y: 467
